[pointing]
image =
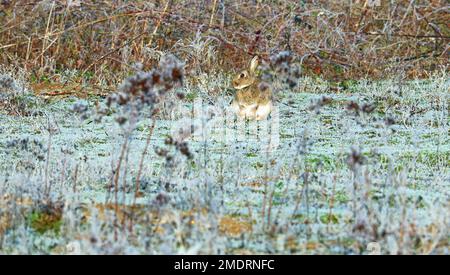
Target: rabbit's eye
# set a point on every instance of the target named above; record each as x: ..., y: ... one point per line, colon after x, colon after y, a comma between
x: 242, y: 75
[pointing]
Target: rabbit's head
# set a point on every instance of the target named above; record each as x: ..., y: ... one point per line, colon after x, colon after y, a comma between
x: 247, y: 77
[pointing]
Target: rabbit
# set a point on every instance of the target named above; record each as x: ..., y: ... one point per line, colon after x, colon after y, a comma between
x: 252, y: 101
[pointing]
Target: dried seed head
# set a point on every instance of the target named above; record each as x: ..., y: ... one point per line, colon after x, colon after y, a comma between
x: 161, y: 152
x: 355, y: 158
x: 281, y: 59
x: 168, y: 141
x: 184, y: 149
x: 161, y: 199
x: 121, y: 120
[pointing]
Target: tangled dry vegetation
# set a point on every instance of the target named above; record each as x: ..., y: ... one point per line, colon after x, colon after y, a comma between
x: 332, y: 39
x: 116, y: 156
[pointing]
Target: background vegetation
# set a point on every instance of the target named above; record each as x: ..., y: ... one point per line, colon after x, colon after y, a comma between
x: 332, y: 39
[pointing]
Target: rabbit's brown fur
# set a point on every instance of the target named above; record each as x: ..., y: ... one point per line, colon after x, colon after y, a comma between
x: 252, y: 100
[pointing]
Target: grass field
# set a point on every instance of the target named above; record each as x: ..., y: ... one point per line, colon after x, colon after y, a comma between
x: 338, y: 179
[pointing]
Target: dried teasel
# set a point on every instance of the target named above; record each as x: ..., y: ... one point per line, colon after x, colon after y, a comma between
x: 169, y: 140
x: 161, y: 152
x: 184, y: 149
x: 355, y: 158
x: 121, y: 120
x: 161, y: 199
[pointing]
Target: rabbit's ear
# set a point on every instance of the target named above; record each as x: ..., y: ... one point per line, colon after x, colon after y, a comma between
x: 254, y: 64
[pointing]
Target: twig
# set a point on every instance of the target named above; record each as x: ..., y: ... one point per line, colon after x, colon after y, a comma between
x: 113, y: 51
x: 44, y: 46
x: 408, y: 35
x: 47, y: 162
x: 75, y: 179
x: 155, y: 30
x: 213, y: 12
x: 116, y: 183
x: 333, y: 193
x: 141, y: 162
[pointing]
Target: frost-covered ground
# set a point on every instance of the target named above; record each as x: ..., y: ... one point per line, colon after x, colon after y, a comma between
x: 368, y: 163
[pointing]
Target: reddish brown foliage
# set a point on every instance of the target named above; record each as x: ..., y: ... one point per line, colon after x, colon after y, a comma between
x: 330, y: 38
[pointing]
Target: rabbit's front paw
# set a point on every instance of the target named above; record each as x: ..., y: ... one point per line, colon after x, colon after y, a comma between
x: 263, y: 111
